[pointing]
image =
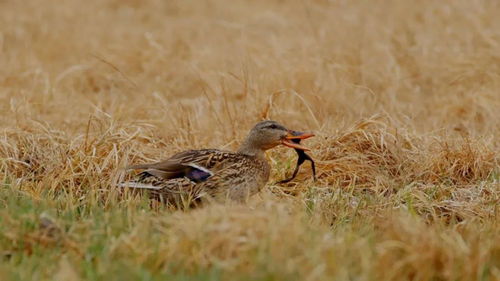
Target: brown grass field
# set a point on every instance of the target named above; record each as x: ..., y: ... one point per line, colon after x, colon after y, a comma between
x: 404, y: 97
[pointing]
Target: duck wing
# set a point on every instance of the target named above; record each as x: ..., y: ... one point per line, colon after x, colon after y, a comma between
x: 192, y: 164
x: 182, y: 175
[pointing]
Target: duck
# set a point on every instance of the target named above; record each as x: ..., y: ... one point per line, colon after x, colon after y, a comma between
x: 194, y: 177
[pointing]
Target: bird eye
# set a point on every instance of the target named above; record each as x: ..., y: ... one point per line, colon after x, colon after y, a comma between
x: 273, y: 126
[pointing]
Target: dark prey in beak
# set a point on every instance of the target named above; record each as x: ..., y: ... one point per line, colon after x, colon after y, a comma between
x: 302, y: 157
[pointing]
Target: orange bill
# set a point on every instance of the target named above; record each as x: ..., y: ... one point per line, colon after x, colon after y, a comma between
x: 293, y: 139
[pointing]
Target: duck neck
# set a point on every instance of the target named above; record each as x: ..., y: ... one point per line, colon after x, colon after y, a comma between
x: 250, y: 149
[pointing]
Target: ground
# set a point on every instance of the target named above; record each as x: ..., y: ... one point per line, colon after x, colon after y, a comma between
x: 402, y: 95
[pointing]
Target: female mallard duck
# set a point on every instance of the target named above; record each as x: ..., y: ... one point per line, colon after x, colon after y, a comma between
x: 210, y: 174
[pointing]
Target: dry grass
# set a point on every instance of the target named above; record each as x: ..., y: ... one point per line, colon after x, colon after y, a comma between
x: 403, y: 95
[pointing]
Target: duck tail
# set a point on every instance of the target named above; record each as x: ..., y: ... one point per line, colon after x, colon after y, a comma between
x: 138, y: 167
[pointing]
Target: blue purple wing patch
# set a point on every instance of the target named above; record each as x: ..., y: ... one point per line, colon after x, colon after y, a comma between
x: 197, y: 173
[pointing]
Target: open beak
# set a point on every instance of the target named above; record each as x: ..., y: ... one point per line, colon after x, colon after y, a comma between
x: 293, y: 139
